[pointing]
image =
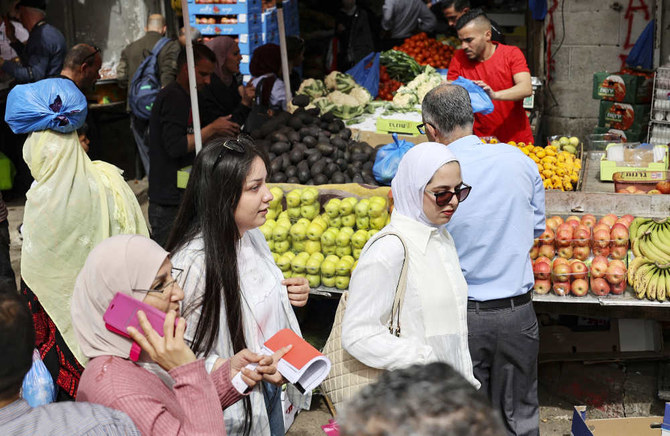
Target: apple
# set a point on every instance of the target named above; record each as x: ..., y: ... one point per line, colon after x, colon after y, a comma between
x: 663, y: 186
x: 293, y: 198
x: 600, y: 226
x: 328, y: 237
x: 547, y: 251
x: 619, y: 252
x: 600, y: 251
x: 573, y: 220
x: 551, y: 224
x: 601, y: 238
x: 574, y: 141
x: 617, y: 262
x: 582, y: 235
x: 327, y: 268
x: 342, y: 268
x: 362, y: 222
x: 314, y: 231
x: 359, y: 239
x: 560, y: 261
x: 335, y: 222
x: 542, y: 270
x: 314, y: 280
x: 328, y: 249
x: 309, y: 211
x: 379, y: 222
x: 579, y: 287
x: 343, y: 239
x: 284, y: 263
x: 282, y: 246
x: 372, y: 232
x: 348, y: 230
x: 271, y: 245
x: 579, y: 269
x: 298, y: 232
x: 361, y: 208
x: 565, y: 252
x: 298, y: 264
x: 542, y: 259
x: 581, y: 252
x: 534, y: 252
x: 589, y: 220
x: 561, y: 288
x: 343, y: 251
x: 277, y: 196
x: 378, y: 206
x: 280, y: 233
x: 356, y: 252
x: 347, y: 206
x: 342, y: 282
x: 618, y: 288
x: 609, y: 219
x: 599, y: 286
x: 309, y: 196
x: 564, y: 234
x: 547, y: 237
x: 349, y: 220
x: 619, y: 235
x: 287, y: 274
x: 615, y: 274
x: 328, y: 281
x: 599, y: 266
x: 542, y: 287
x: 294, y: 213
x: 312, y: 246
x: 333, y: 208
x: 561, y: 273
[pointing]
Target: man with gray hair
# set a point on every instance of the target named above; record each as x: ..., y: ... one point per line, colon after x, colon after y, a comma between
x: 420, y: 400
x: 131, y: 58
x: 493, y: 232
x: 43, y: 53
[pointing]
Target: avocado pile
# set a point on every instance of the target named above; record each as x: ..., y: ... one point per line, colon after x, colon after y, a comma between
x: 309, y: 149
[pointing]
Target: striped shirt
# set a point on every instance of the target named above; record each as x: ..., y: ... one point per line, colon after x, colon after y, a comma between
x: 65, y: 418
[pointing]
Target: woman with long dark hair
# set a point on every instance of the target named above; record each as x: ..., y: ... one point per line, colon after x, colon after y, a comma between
x: 235, y: 296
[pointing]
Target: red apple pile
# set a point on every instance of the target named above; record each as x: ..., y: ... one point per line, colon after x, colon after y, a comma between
x: 572, y: 241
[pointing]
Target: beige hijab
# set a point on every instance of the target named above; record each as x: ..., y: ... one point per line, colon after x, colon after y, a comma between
x: 118, y: 264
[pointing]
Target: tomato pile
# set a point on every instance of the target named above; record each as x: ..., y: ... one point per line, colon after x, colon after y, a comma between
x: 387, y: 86
x: 427, y: 51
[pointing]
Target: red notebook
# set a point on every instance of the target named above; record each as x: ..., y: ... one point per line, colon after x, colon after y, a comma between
x: 304, y: 365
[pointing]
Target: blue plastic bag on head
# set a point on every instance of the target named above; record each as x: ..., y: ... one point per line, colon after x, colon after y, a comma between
x: 481, y: 102
x: 387, y: 159
x: 53, y: 104
x: 366, y: 73
x: 38, y: 387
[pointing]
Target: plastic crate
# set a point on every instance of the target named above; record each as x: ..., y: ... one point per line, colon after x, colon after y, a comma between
x: 241, y: 7
x: 248, y: 24
x: 638, y: 181
x: 249, y: 43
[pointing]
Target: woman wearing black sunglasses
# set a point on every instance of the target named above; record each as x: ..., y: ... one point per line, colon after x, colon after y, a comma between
x: 427, y: 190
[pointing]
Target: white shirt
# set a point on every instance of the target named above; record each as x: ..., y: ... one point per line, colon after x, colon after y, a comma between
x: 433, y: 315
x: 265, y: 311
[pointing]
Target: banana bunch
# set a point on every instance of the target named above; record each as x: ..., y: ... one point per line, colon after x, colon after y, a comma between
x: 649, y: 272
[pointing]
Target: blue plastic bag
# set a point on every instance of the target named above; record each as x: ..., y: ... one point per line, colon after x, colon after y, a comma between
x: 481, y: 102
x: 366, y: 73
x: 38, y: 387
x: 642, y: 53
x: 54, y: 104
x: 387, y: 159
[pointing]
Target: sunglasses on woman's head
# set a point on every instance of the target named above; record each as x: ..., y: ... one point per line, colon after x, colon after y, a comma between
x: 444, y: 197
x: 234, y: 145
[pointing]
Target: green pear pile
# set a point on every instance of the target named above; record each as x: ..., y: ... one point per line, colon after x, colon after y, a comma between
x: 323, y: 246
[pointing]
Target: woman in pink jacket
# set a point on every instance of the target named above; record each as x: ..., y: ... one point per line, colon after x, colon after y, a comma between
x: 185, y: 399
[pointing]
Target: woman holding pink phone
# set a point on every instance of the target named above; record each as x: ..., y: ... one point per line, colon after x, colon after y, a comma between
x: 188, y: 400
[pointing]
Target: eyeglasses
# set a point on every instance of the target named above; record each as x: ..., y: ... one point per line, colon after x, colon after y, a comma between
x: 443, y: 198
x: 96, y: 50
x: 422, y: 128
x: 176, y: 275
x: 235, y: 145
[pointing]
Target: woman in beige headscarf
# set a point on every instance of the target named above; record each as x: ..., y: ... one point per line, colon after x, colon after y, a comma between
x: 138, y: 267
x: 73, y: 205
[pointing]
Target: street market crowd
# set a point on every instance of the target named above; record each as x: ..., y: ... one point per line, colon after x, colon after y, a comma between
x: 464, y: 219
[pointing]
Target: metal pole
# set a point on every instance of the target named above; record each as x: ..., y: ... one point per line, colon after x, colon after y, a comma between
x: 283, y: 51
x: 190, y: 65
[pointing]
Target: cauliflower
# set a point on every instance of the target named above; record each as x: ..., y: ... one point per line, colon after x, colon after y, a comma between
x: 342, y: 99
x: 313, y: 88
x: 339, y: 81
x: 404, y: 100
x: 361, y: 95
x: 425, y: 87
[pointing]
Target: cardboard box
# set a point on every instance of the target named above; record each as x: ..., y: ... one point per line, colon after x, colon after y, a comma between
x: 608, y: 167
x: 624, y: 88
x: 634, y: 426
x: 241, y: 7
x: 623, y: 116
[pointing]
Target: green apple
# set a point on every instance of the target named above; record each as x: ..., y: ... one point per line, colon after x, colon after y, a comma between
x: 295, y: 274
x: 328, y: 281
x: 570, y: 149
x: 318, y: 256
x: 327, y: 268
x: 556, y: 143
x: 343, y: 239
x: 298, y: 264
x: 372, y: 232
x: 564, y: 140
x: 284, y: 263
x: 275, y: 256
x: 349, y: 220
x: 356, y: 252
x: 271, y: 245
x: 328, y: 237
x: 309, y: 196
x: 359, y: 239
x: 379, y: 222
x: 332, y: 258
x: 574, y: 141
x: 277, y: 196
x: 312, y: 246
x: 309, y: 211
x: 279, y: 233
x: 361, y: 208
x: 282, y: 215
x: 363, y: 222
x: 343, y: 251
x: 313, y: 266
x: 335, y: 222
x: 347, y: 206
x: 342, y: 268
x: 348, y: 230
x: 314, y: 280
x: 333, y: 207
x: 321, y: 222
x: 293, y: 214
x: 348, y: 259
x: 290, y: 255
x: 266, y: 230
x: 314, y: 232
x: 328, y: 249
x: 293, y: 198
x: 287, y: 274
x: 282, y: 246
x: 305, y: 222
x: 298, y: 246
x: 377, y: 207
x: 272, y: 214
x: 283, y: 221
x: 298, y: 232
x: 341, y: 282
x: 353, y: 267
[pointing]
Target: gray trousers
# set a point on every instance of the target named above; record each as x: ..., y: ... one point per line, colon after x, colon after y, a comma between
x: 504, y: 344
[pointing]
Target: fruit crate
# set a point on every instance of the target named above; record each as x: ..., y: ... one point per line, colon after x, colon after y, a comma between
x: 608, y: 167
x: 640, y: 181
x: 246, y: 24
x: 221, y: 8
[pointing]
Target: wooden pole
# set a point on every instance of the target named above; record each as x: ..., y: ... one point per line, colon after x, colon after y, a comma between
x: 190, y: 65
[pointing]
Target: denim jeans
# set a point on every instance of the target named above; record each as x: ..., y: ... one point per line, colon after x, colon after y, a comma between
x: 273, y: 405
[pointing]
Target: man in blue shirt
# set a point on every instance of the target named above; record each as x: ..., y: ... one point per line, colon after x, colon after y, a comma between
x: 43, y: 54
x: 493, y: 232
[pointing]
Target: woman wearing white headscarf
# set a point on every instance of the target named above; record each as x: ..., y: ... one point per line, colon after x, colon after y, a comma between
x: 427, y: 189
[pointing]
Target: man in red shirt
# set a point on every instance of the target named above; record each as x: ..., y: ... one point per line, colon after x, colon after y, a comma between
x: 501, y: 70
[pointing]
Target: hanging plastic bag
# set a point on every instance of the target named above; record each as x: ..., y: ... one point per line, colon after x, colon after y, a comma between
x: 642, y: 53
x: 481, y: 102
x: 387, y: 159
x: 366, y: 73
x: 54, y: 104
x: 38, y: 387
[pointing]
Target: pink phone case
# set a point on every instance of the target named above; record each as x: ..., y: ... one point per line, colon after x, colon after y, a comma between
x: 122, y: 313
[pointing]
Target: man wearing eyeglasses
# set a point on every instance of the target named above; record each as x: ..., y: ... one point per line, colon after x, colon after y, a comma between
x: 493, y: 232
x: 82, y: 65
x: 43, y: 54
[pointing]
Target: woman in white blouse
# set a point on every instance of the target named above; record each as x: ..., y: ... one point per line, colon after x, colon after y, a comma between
x: 235, y: 296
x: 427, y: 189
